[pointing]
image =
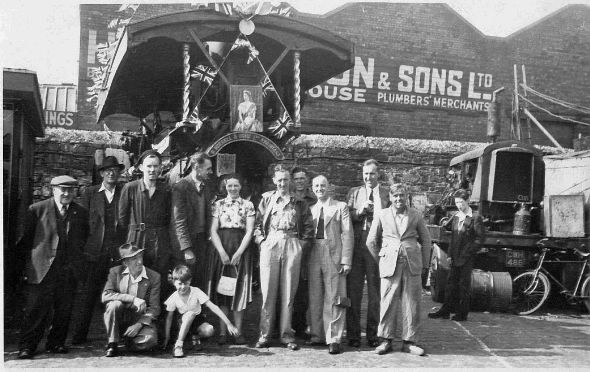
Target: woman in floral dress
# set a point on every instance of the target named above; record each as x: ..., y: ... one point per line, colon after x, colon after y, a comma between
x: 231, y: 231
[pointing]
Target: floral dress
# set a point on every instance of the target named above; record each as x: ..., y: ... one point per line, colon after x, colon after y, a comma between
x: 231, y: 215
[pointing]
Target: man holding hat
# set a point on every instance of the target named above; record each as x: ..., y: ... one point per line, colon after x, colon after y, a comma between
x: 144, y: 213
x: 401, y: 262
x: 54, y: 233
x: 104, y: 238
x: 132, y: 299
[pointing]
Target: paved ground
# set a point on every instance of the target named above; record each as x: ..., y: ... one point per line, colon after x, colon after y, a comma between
x: 557, y: 339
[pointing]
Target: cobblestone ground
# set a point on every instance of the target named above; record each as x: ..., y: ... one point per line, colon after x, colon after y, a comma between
x: 557, y: 339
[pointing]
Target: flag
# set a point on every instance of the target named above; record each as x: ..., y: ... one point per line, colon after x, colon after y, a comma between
x: 204, y: 73
x: 281, y: 125
x: 267, y: 86
x: 243, y: 43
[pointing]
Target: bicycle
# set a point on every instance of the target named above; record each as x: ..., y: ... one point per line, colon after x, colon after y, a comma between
x: 531, y: 288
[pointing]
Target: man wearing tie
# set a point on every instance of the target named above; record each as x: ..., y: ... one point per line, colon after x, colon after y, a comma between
x: 363, y: 201
x: 393, y: 243
x: 330, y: 261
x: 54, y: 233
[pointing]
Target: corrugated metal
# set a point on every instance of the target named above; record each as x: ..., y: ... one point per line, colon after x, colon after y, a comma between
x: 59, y: 97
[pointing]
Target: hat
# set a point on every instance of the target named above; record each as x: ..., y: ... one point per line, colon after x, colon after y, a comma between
x: 129, y: 250
x: 398, y: 188
x: 147, y: 153
x: 65, y: 181
x: 110, y: 162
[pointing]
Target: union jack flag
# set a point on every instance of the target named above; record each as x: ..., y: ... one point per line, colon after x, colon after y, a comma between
x: 204, y: 73
x: 282, y: 125
x: 267, y: 86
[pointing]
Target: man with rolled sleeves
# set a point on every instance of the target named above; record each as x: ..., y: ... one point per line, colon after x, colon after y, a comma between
x: 400, y: 242
x: 104, y: 239
x: 54, y: 234
x: 132, y: 298
x: 284, y: 230
x: 363, y: 202
x: 191, y: 216
x: 329, y: 263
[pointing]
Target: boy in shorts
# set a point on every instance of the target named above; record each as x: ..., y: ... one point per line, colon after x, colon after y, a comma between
x: 187, y: 301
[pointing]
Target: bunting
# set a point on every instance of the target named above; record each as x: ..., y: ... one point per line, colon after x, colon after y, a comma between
x: 281, y: 125
x: 267, y: 85
x: 206, y: 74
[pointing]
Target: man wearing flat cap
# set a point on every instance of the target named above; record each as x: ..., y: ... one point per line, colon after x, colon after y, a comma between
x: 54, y: 233
x: 132, y: 299
x: 144, y: 213
x: 400, y: 242
x: 104, y: 239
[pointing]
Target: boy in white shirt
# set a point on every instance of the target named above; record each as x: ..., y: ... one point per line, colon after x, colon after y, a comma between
x: 187, y: 301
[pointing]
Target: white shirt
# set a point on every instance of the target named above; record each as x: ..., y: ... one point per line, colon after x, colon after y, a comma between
x: 401, y: 222
x: 151, y: 189
x: 198, y: 183
x: 109, y: 194
x: 462, y: 217
x: 134, y: 282
x: 196, y: 298
x: 60, y: 205
x: 322, y: 205
x: 376, y: 197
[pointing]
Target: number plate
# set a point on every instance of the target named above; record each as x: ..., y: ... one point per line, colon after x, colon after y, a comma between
x: 515, y: 258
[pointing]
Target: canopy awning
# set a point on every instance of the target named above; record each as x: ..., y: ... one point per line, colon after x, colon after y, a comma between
x: 479, y: 152
x: 147, y: 68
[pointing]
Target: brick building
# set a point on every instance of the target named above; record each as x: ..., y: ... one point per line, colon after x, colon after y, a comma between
x: 421, y: 71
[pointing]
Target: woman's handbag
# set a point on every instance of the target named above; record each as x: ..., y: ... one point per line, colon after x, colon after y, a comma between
x: 227, y: 285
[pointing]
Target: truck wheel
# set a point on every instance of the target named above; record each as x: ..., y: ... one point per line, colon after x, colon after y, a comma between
x: 586, y: 292
x: 438, y: 282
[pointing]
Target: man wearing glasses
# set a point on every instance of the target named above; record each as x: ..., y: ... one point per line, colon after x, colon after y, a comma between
x: 104, y: 239
x: 54, y: 233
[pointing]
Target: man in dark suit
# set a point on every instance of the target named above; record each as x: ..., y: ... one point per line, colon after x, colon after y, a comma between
x: 104, y: 238
x: 363, y: 202
x: 191, y: 216
x: 132, y: 299
x: 54, y: 234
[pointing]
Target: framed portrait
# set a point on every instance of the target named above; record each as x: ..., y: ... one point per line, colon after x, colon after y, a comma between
x: 226, y: 164
x: 246, y: 108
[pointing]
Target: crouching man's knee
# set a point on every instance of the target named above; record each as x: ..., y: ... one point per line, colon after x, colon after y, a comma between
x: 114, y: 306
x: 206, y: 330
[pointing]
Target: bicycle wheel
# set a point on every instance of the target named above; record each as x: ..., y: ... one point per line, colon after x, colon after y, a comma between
x: 529, y: 292
x: 586, y: 292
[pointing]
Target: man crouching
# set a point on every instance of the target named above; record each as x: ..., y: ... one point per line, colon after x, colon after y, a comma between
x: 132, y: 299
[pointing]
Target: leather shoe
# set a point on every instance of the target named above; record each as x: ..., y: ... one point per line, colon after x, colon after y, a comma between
x: 439, y: 314
x: 354, y: 343
x: 292, y: 346
x: 112, y: 350
x: 384, y: 347
x: 459, y: 317
x: 411, y: 348
x: 60, y: 349
x: 261, y: 345
x: 25, y: 354
x: 334, y: 348
x: 373, y: 343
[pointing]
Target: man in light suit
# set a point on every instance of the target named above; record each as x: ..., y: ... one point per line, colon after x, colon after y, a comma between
x: 132, y: 299
x: 329, y: 264
x: 363, y: 202
x: 55, y: 232
x: 400, y: 242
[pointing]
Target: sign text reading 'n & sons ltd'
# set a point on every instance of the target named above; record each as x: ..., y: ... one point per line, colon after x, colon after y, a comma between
x: 409, y: 85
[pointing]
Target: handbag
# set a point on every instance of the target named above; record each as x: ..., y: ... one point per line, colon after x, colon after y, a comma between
x: 227, y: 284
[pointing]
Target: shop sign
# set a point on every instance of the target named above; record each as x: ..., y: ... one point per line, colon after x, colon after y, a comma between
x: 248, y: 137
x: 59, y: 118
x: 387, y: 84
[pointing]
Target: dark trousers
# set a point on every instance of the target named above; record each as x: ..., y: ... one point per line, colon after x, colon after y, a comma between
x: 363, y: 265
x: 157, y: 257
x: 54, y: 294
x: 458, y: 290
x: 200, y: 267
x: 89, y: 292
x: 300, y: 305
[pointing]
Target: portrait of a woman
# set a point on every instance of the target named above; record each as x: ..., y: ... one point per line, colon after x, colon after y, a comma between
x: 247, y: 114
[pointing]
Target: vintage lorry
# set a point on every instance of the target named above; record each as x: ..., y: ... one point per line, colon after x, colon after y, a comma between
x: 529, y: 203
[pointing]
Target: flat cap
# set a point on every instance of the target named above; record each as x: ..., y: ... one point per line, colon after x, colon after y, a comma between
x: 64, y: 180
x: 148, y: 153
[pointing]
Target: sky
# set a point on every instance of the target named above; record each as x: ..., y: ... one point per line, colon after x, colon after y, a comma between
x: 43, y: 36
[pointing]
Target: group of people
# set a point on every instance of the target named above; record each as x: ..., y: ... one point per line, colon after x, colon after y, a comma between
x: 181, y: 247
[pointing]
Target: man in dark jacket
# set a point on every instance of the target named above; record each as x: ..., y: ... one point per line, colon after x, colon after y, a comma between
x: 54, y: 234
x: 104, y: 239
x: 191, y: 216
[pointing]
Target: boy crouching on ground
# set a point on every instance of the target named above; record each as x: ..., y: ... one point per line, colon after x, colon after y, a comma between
x: 187, y: 301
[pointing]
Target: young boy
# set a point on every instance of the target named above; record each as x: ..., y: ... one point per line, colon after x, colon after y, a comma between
x: 187, y: 301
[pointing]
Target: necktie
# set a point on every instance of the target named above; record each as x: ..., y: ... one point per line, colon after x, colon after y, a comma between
x: 63, y: 211
x: 320, y: 232
x: 370, y: 213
